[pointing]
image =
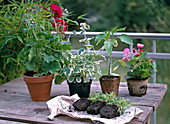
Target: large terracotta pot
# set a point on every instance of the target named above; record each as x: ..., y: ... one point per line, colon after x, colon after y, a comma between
x: 137, y: 87
x: 39, y: 87
x: 110, y: 84
x: 82, y: 89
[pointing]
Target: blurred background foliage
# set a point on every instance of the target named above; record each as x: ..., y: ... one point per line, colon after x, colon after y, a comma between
x: 149, y: 16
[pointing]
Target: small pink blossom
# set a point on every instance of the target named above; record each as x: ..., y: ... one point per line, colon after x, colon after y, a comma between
x: 126, y: 53
x: 140, y: 45
x: 127, y: 60
x: 41, y: 6
x: 123, y: 58
x: 37, y: 4
x: 31, y: 9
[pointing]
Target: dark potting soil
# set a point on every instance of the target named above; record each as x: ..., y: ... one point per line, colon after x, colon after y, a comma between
x: 95, y: 107
x: 109, y: 111
x: 31, y: 74
x: 81, y: 104
x: 109, y: 77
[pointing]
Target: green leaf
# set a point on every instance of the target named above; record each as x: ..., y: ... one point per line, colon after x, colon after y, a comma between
x: 154, y: 65
x: 48, y: 59
x: 98, y: 70
x: 20, y: 39
x: 100, y: 37
x: 78, y: 79
x: 108, y: 47
x: 67, y: 71
x: 90, y: 46
x: 114, y: 29
x: 144, y: 55
x: 115, y: 68
x: 144, y: 73
x: 125, y: 38
x: 121, y: 29
x: 77, y: 69
x: 30, y: 66
x: 1, y: 74
x: 59, y: 79
x: 70, y: 79
x: 107, y: 36
x: 122, y: 63
x: 128, y: 76
x: 81, y: 51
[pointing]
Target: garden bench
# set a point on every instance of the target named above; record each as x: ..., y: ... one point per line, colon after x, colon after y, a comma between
x: 16, y: 105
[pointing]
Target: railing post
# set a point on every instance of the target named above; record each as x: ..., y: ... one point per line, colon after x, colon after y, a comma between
x: 154, y: 78
x: 131, y: 46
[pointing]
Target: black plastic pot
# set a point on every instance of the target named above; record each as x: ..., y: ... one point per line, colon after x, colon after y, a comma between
x: 82, y: 89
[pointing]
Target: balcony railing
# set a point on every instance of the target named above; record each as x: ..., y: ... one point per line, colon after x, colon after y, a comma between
x: 154, y: 55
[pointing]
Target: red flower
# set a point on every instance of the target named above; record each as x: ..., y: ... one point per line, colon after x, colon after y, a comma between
x: 137, y: 54
x: 151, y: 60
x: 139, y: 50
x: 46, y: 9
x: 134, y: 51
x: 56, y: 10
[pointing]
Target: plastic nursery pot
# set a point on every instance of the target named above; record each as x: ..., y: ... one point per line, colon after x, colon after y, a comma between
x: 110, y: 84
x: 82, y: 89
x: 137, y: 87
x: 39, y: 87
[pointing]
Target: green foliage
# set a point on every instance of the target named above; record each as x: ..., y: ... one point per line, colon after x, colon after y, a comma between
x: 82, y: 66
x: 11, y: 43
x: 111, y: 41
x: 111, y: 99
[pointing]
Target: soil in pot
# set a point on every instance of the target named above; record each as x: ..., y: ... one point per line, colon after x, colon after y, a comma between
x: 109, y: 111
x: 137, y: 87
x: 39, y: 87
x: 82, y: 89
x: 110, y: 84
x: 95, y: 107
x: 81, y: 104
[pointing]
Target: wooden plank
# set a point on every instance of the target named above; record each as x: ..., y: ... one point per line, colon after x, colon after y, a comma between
x: 16, y: 103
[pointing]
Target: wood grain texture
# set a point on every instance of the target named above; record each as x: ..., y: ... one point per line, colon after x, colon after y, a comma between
x: 16, y: 104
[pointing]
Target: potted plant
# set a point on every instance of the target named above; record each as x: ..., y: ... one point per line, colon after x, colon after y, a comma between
x: 43, y: 51
x: 141, y: 67
x: 82, y: 67
x: 110, y: 83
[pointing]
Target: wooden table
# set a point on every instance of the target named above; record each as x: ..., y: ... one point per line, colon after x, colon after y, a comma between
x: 17, y: 106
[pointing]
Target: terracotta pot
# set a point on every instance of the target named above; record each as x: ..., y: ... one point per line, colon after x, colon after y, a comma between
x: 110, y: 84
x: 137, y: 87
x: 39, y: 87
x: 82, y: 89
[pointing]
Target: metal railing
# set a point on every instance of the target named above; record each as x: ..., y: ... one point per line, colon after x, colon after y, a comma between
x: 154, y: 55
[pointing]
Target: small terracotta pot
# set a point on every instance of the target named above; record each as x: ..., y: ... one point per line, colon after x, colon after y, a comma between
x: 137, y: 87
x: 39, y: 87
x: 110, y: 84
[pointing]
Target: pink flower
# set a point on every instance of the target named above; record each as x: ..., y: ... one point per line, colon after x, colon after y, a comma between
x: 41, y: 6
x: 126, y: 53
x: 37, y: 4
x: 140, y: 45
x: 31, y: 9
x: 46, y: 9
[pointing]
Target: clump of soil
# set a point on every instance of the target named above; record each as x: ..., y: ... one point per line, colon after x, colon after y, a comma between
x: 81, y: 104
x: 95, y: 107
x: 109, y: 111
